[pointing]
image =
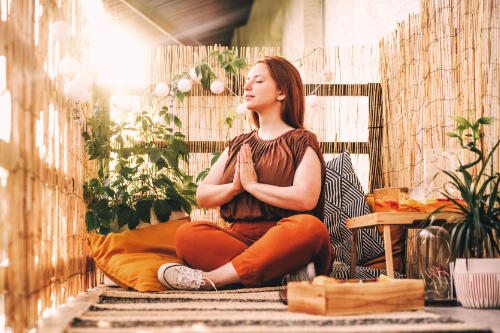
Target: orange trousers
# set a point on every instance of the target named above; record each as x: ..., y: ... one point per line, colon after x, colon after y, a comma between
x: 260, y: 252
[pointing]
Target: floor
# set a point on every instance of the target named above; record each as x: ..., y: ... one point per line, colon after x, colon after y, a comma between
x: 485, y: 317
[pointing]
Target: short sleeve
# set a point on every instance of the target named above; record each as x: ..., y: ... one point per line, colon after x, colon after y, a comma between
x: 303, y: 140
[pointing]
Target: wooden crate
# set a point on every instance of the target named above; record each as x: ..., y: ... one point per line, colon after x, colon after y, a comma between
x: 350, y: 298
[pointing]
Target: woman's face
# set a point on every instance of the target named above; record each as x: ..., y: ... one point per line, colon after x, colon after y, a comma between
x: 260, y: 89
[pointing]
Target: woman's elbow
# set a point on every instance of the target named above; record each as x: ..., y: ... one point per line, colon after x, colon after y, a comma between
x: 200, y: 198
x: 309, y: 202
x: 306, y: 204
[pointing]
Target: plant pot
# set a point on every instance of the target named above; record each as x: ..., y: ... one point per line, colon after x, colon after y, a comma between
x: 477, y: 283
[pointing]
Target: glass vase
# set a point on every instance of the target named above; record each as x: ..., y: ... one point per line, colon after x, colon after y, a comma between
x: 433, y: 244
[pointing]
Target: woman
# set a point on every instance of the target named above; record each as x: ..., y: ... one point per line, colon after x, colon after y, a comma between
x: 269, y: 184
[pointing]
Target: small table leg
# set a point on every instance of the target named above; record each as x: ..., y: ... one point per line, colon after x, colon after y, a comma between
x: 354, y: 239
x: 388, y: 251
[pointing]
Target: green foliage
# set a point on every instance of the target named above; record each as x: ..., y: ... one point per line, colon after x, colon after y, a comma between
x: 142, y: 173
x: 475, y: 233
x: 136, y: 174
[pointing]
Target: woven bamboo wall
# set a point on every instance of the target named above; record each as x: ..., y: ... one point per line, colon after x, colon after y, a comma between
x: 444, y: 61
x: 43, y: 247
x: 335, y: 119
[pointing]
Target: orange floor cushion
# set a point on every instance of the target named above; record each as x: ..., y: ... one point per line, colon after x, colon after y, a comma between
x: 131, y: 259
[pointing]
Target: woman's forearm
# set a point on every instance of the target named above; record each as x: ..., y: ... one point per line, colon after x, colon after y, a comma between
x: 290, y: 197
x: 211, y: 195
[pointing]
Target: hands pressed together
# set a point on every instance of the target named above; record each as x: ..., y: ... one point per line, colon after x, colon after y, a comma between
x: 244, y: 172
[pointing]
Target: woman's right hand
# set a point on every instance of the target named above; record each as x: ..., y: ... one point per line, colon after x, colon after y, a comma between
x: 237, y: 187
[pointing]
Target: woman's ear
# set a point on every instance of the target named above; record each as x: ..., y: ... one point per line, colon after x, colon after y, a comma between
x: 281, y: 96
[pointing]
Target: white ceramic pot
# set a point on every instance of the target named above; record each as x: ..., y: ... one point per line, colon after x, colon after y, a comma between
x: 477, y: 283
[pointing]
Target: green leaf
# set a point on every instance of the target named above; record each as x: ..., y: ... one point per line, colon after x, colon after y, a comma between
x: 143, y: 209
x: 127, y: 216
x: 162, y: 210
x: 160, y: 164
x: 202, y: 175
x: 90, y: 221
x: 486, y: 120
x: 162, y: 181
x: 461, y: 121
x: 109, y: 191
x: 451, y: 135
x: 215, y: 157
x: 155, y: 156
x: 86, y: 136
x: 94, y: 182
x: 177, y: 121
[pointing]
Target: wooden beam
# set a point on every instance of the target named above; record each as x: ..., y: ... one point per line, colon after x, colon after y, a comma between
x: 152, y: 17
x: 326, y: 147
x: 375, y: 124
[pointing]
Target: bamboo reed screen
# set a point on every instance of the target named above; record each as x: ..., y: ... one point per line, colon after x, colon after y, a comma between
x: 444, y: 61
x: 43, y: 249
x: 347, y: 74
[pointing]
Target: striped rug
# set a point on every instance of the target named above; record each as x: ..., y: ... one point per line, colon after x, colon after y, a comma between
x: 240, y: 310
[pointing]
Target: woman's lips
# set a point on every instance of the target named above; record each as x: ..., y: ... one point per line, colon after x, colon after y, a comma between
x: 247, y: 97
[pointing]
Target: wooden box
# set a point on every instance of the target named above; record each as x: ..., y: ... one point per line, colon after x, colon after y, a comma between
x: 350, y: 298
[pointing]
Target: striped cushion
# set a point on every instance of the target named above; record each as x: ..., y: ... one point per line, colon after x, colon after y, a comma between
x: 344, y: 198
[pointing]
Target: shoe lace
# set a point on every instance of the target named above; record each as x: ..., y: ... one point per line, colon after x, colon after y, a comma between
x: 298, y: 275
x: 192, y: 278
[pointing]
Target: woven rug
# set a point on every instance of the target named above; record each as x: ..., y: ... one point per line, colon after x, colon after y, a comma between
x: 240, y: 310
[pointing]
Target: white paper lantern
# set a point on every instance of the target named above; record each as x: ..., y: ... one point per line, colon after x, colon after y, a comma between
x: 193, y: 75
x: 84, y: 78
x: 161, y: 90
x: 242, y: 109
x: 61, y: 30
x: 69, y: 66
x: 312, y: 101
x: 217, y: 87
x: 77, y: 91
x: 184, y: 85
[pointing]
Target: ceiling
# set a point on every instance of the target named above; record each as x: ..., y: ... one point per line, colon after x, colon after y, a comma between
x: 182, y: 22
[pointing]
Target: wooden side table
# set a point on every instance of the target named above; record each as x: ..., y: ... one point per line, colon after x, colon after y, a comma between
x: 386, y: 219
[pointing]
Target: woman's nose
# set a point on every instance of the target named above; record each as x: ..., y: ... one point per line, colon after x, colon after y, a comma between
x: 247, y: 86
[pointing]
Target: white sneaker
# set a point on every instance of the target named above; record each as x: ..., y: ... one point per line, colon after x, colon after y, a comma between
x: 306, y: 273
x: 179, y: 277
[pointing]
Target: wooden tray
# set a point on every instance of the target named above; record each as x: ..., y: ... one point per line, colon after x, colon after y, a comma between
x: 351, y: 298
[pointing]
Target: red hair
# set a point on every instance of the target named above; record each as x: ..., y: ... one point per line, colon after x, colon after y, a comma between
x: 288, y: 80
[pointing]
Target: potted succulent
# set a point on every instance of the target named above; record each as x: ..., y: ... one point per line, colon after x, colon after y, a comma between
x: 474, y: 232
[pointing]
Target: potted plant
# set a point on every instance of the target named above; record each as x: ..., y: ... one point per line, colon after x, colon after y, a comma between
x: 139, y: 176
x: 475, y: 230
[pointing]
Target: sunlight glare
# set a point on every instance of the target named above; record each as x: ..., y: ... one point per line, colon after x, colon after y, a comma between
x: 3, y: 73
x: 4, y: 4
x: 5, y: 103
x: 123, y: 107
x: 4, y: 174
x: 5, y: 116
x: 115, y: 54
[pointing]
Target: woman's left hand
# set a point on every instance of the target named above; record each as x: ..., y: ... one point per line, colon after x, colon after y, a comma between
x: 248, y: 176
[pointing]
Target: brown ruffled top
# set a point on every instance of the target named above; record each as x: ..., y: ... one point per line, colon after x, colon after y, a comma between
x: 275, y: 162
